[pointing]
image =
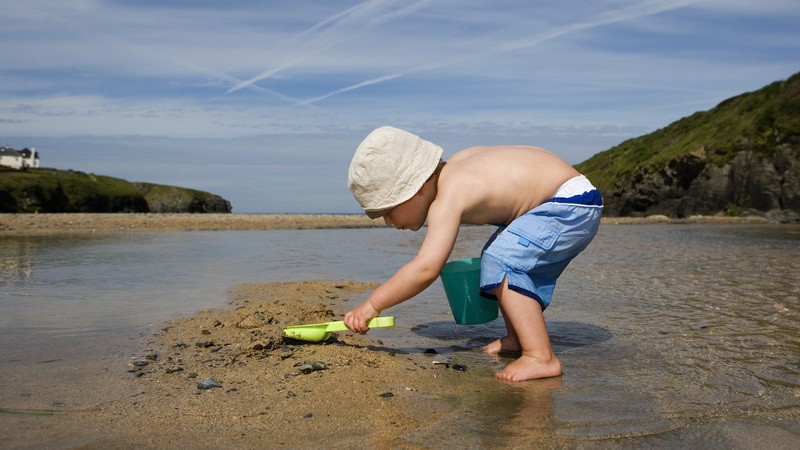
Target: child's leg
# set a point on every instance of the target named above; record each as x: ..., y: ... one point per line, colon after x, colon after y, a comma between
x: 506, y: 344
x: 525, y: 317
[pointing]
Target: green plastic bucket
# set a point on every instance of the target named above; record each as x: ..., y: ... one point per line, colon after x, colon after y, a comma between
x: 461, y: 280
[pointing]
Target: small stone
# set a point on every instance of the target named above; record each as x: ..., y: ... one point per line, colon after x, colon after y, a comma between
x: 430, y: 351
x: 204, y: 344
x: 140, y: 363
x: 216, y: 349
x: 311, y: 366
x: 308, y: 416
x: 386, y: 395
x: 291, y: 394
x: 459, y: 367
x: 174, y: 370
x: 192, y: 375
x: 151, y: 356
x: 208, y: 383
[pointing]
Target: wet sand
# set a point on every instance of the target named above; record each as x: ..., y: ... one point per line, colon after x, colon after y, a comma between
x: 351, y: 390
x: 18, y: 224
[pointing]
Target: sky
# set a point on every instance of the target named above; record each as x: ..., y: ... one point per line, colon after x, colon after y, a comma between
x: 264, y: 102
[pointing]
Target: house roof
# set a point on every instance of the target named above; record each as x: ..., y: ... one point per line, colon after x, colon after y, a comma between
x: 25, y: 152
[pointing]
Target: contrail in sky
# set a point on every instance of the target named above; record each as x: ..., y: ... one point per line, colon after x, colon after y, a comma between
x: 153, y: 53
x: 349, y: 15
x: 631, y: 12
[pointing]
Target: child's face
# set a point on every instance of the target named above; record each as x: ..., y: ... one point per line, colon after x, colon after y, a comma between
x: 409, y: 215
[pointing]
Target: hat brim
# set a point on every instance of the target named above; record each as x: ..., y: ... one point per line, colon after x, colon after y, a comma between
x: 375, y: 214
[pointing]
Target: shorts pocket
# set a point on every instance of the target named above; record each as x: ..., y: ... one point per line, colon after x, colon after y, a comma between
x: 545, y: 236
x: 523, y: 244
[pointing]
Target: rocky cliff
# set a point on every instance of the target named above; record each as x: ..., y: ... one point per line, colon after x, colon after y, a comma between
x: 60, y: 191
x: 740, y: 158
x: 748, y: 184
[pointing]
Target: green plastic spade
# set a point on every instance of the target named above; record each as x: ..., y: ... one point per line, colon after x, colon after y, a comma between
x: 321, y: 331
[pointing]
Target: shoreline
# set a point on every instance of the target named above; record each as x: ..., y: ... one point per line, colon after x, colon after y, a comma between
x: 52, y: 223
x: 142, y: 222
x: 227, y: 377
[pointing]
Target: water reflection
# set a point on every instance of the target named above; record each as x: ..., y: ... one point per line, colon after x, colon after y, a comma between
x: 16, y: 262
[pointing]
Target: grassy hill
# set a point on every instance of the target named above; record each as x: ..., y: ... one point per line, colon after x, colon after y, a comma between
x: 52, y: 190
x: 757, y: 121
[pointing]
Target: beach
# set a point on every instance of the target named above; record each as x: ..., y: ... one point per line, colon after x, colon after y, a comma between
x: 269, y: 392
x: 130, y: 222
x: 636, y: 361
x: 48, y: 223
x: 349, y: 391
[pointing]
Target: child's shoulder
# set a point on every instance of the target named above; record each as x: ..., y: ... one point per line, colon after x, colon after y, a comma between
x: 467, y: 153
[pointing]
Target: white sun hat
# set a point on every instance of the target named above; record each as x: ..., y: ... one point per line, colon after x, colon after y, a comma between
x: 389, y: 167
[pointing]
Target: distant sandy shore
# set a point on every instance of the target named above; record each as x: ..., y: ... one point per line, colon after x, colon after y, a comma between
x: 104, y: 223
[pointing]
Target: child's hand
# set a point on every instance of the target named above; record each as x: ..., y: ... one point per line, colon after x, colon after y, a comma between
x: 356, y: 320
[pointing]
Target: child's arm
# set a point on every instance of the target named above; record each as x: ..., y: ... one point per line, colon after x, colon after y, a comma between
x: 415, y: 276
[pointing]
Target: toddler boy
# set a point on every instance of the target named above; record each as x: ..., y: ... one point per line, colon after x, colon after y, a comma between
x: 547, y: 213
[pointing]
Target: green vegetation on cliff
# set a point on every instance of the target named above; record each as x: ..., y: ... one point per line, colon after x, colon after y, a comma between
x: 52, y: 190
x: 758, y: 121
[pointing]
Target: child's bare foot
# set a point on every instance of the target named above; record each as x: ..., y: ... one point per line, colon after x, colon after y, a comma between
x: 529, y: 368
x: 505, y: 344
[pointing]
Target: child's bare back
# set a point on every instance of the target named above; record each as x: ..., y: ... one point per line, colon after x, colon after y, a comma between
x: 497, y: 184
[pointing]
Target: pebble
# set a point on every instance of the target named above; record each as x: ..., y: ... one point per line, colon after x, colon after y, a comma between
x: 140, y: 363
x: 208, y: 383
x: 386, y: 395
x: 459, y: 367
x: 443, y: 360
x: 311, y: 366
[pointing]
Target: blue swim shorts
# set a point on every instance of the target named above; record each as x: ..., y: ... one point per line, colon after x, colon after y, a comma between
x: 533, y: 250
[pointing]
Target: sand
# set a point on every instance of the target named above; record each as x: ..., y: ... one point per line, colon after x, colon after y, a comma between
x: 103, y: 223
x: 31, y: 224
x: 357, y: 391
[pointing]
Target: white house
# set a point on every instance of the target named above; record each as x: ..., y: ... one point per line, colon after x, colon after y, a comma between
x: 18, y: 159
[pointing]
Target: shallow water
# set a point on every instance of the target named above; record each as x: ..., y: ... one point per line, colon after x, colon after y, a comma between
x: 669, y: 334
